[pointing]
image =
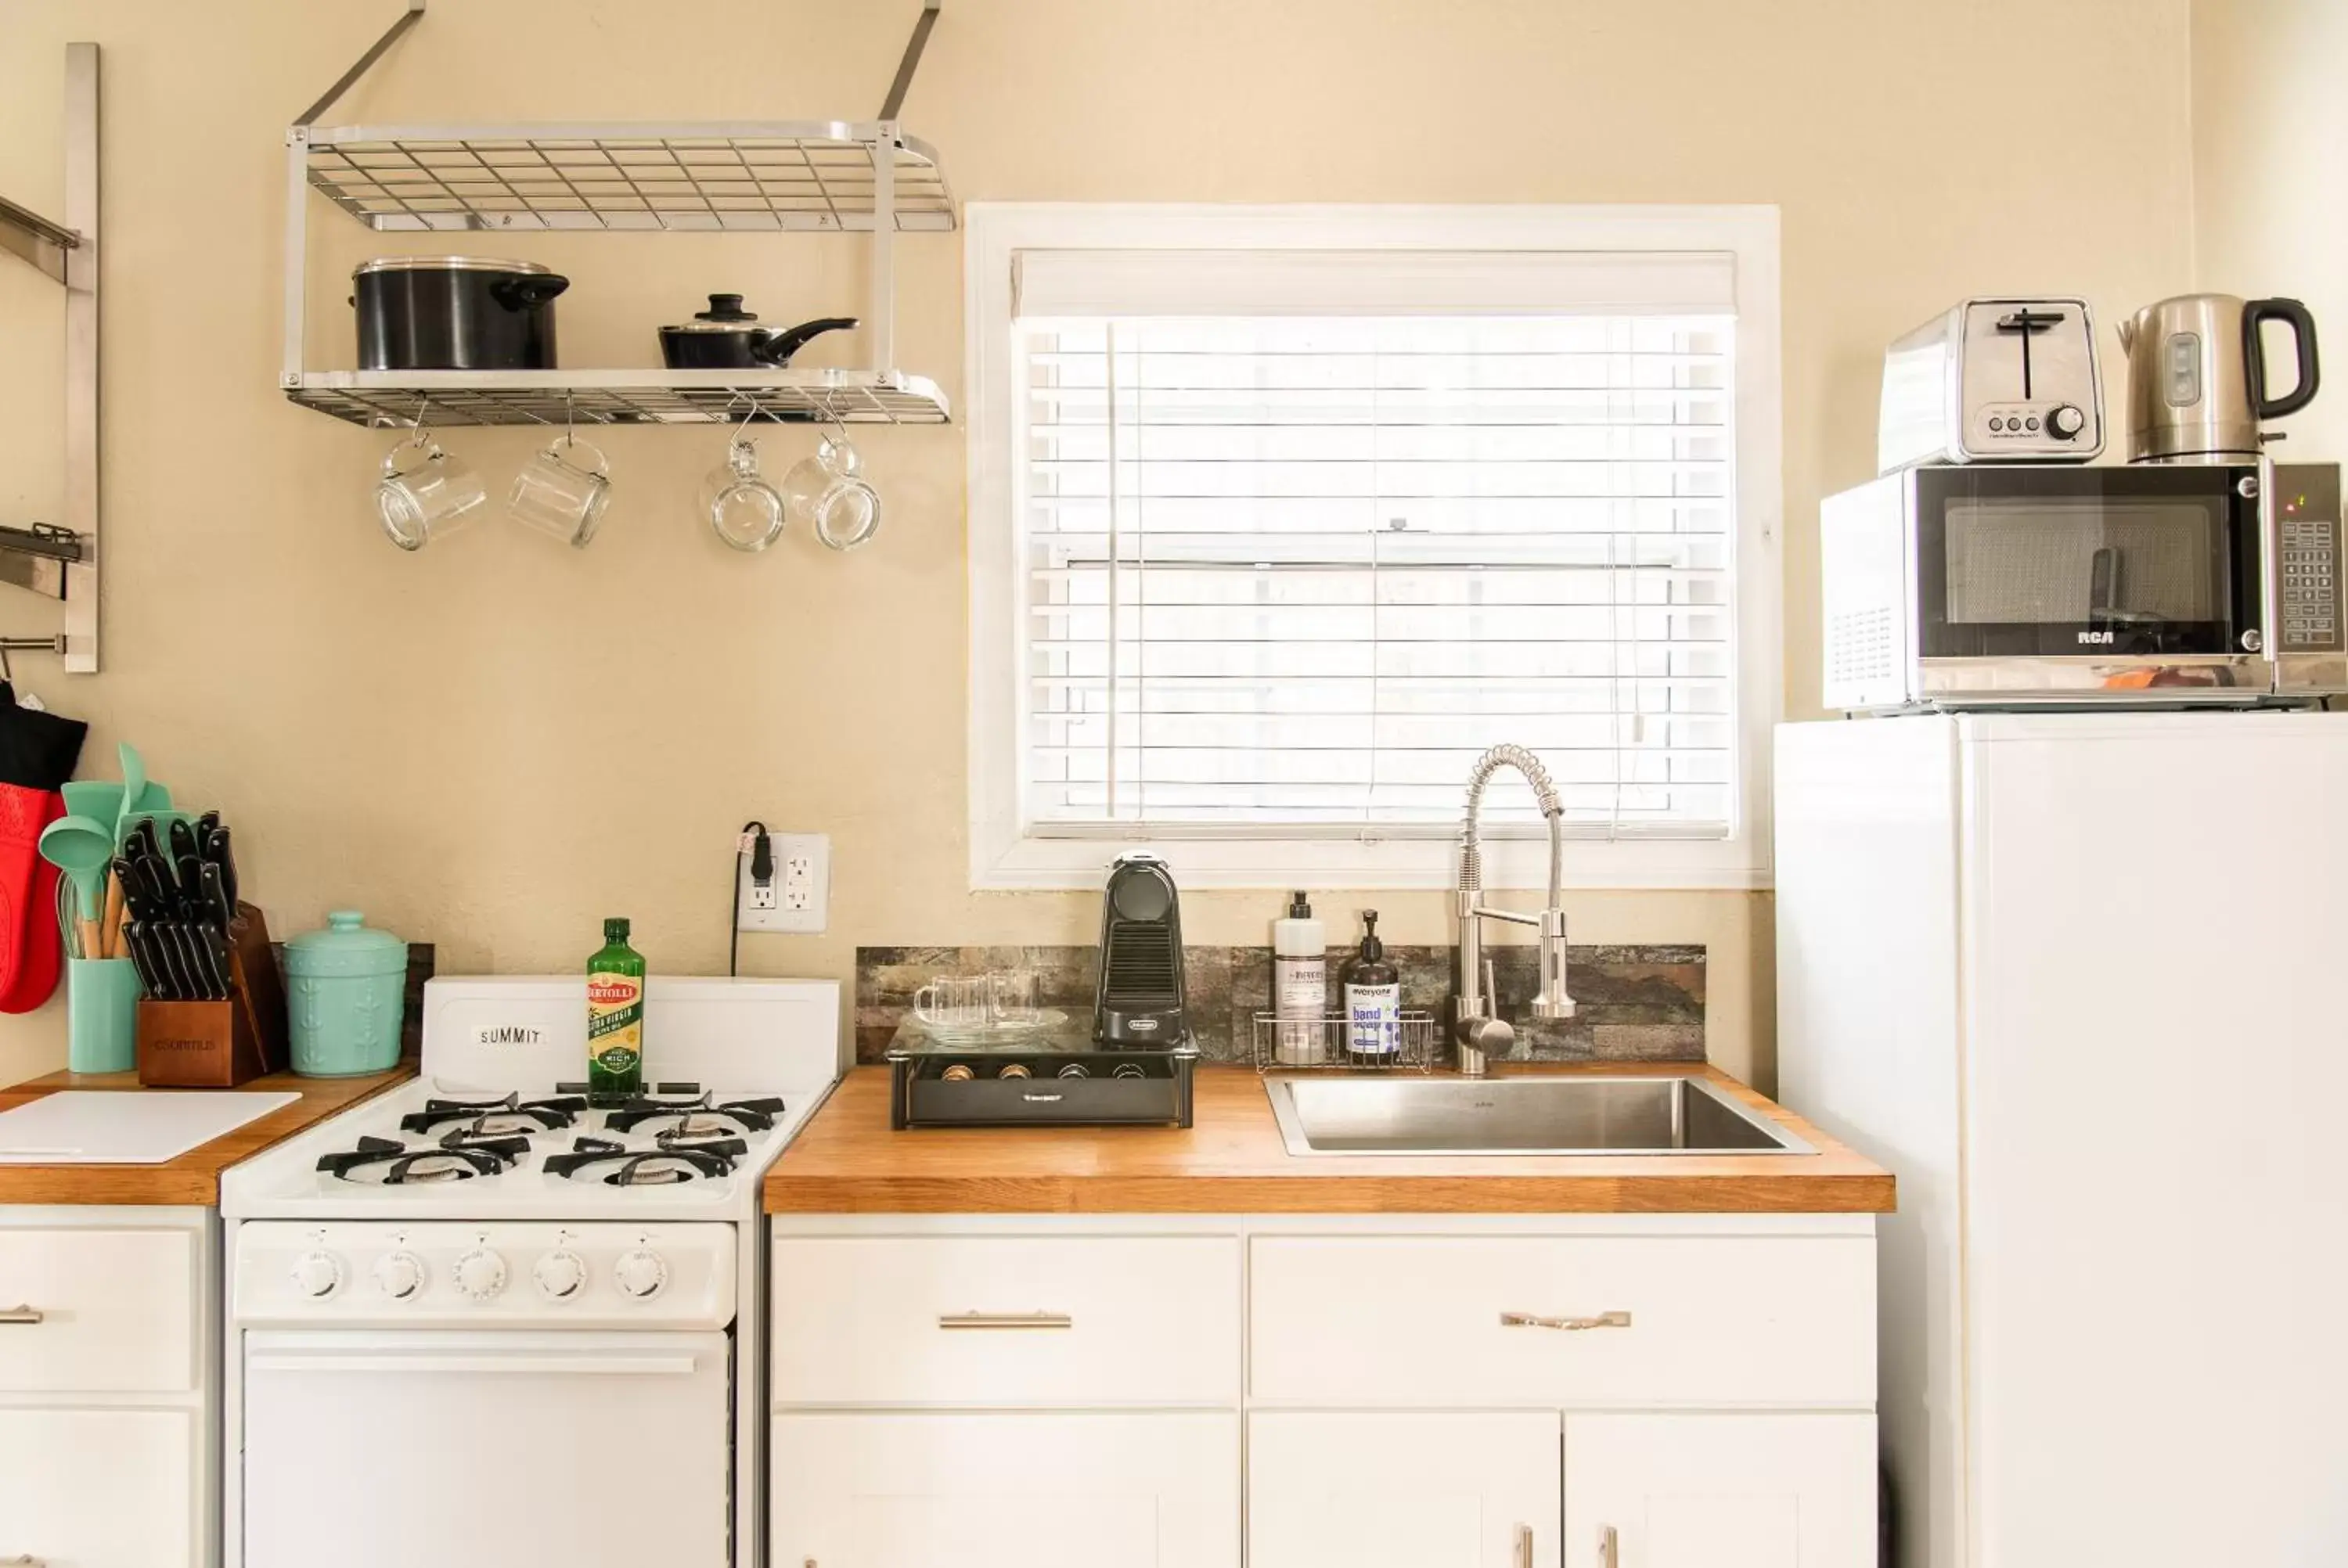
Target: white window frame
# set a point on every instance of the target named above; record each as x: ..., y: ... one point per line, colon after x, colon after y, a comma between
x: 1001, y: 856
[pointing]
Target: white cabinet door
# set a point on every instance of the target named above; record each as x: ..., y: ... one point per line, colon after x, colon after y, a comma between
x: 1426, y: 1490
x: 1720, y: 1492
x: 1012, y: 1490
x: 97, y: 1489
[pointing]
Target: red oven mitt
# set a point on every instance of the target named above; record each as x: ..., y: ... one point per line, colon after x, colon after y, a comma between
x: 31, y: 952
x: 38, y: 751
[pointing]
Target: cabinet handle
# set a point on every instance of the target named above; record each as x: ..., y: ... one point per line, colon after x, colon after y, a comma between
x: 1610, y: 1548
x: 20, y: 1314
x: 1524, y: 1546
x: 1006, y: 1320
x: 1569, y: 1324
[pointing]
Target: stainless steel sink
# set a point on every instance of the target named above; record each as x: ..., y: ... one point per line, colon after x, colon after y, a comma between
x: 1648, y: 1116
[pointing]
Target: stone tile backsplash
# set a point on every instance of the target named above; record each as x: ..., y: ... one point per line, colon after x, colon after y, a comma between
x: 1642, y: 1003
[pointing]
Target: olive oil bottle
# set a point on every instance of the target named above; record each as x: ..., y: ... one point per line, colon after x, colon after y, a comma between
x: 615, y: 1018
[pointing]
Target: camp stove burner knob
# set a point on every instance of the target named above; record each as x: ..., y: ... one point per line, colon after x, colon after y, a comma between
x: 400, y: 1275
x: 640, y: 1274
x: 318, y: 1275
x: 560, y: 1275
x: 480, y: 1273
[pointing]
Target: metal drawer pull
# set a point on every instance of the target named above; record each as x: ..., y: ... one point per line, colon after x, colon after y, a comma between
x: 1610, y: 1551
x: 1569, y: 1324
x: 21, y: 1314
x: 1524, y: 1546
x: 1006, y: 1320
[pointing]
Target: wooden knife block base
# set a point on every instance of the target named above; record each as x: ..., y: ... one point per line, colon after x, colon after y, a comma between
x: 221, y: 1044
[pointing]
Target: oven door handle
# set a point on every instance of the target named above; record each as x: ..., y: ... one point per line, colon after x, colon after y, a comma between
x: 629, y: 1365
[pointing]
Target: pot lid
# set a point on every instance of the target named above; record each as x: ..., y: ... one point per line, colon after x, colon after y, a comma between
x: 348, y: 945
x: 725, y: 314
x: 444, y: 264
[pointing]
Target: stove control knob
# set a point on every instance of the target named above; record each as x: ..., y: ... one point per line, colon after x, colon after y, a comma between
x: 640, y: 1274
x: 2065, y: 421
x: 481, y: 1273
x: 560, y: 1275
x: 400, y: 1274
x: 318, y: 1275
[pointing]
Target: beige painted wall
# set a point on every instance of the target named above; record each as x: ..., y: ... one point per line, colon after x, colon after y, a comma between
x: 495, y: 743
x: 2270, y: 126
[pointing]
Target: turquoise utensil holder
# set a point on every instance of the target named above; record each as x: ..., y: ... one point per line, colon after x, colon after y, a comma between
x: 101, y: 1015
x: 347, y: 996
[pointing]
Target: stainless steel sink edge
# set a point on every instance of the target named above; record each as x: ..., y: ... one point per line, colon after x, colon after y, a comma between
x: 1282, y: 1089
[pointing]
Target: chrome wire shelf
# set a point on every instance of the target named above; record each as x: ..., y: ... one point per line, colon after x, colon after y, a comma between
x: 751, y: 178
x: 1326, y: 1043
x: 447, y: 397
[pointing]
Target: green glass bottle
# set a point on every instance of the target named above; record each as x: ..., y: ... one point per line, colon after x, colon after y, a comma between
x: 615, y: 1018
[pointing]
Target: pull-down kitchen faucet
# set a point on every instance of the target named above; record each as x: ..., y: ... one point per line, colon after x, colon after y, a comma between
x: 1476, y: 1032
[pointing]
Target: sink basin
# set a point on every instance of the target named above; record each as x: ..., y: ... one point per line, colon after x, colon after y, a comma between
x: 1650, y: 1115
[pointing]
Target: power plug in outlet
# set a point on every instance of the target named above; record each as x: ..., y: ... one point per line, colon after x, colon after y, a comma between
x: 797, y: 896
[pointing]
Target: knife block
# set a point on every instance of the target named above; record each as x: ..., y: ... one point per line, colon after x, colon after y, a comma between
x: 221, y: 1044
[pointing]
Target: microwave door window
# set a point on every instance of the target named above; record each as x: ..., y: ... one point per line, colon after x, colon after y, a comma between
x: 2061, y: 575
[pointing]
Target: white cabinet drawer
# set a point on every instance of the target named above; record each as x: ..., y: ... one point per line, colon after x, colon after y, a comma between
x: 1421, y: 1320
x: 96, y: 1311
x: 97, y: 1489
x: 1079, y: 1321
x: 1029, y: 1489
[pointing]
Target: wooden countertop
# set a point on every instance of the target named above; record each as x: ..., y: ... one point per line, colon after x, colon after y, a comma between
x: 194, y: 1177
x: 847, y: 1161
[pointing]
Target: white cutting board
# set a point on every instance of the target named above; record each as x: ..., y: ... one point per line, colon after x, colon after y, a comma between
x: 126, y: 1126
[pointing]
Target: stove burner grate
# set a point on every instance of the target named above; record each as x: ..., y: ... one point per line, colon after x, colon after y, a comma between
x: 696, y: 1116
x: 674, y: 1160
x: 493, y: 1118
x: 457, y: 1157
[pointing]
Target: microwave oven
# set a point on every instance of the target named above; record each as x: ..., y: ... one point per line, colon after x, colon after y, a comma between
x: 1994, y: 585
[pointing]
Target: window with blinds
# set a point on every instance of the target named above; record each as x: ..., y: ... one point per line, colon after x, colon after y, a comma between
x: 1302, y: 534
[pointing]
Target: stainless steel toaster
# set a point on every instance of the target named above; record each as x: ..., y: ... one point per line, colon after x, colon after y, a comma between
x: 1993, y: 381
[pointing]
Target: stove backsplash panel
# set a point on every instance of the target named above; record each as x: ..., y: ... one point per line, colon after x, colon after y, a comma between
x: 1642, y: 1003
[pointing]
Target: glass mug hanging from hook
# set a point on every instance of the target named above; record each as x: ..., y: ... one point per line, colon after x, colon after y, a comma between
x: 743, y: 508
x: 830, y: 492
x: 560, y: 493
x: 425, y: 493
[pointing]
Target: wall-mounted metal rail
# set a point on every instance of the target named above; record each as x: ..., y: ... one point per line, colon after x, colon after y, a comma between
x: 67, y: 251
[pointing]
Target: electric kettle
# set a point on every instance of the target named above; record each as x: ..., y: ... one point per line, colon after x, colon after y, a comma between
x: 2197, y: 377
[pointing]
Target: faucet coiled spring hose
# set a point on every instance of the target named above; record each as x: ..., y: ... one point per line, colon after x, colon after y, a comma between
x: 1471, y: 851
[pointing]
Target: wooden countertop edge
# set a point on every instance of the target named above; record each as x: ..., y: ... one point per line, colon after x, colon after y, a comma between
x: 1365, y: 1193
x: 191, y: 1180
x: 846, y: 1160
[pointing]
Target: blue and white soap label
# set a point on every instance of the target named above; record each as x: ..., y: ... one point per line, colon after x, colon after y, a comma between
x: 1374, y: 1019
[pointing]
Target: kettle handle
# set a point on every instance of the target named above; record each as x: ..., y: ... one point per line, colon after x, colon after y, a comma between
x: 2255, y: 313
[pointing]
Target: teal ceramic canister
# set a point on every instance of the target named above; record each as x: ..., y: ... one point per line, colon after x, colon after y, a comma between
x: 346, y: 991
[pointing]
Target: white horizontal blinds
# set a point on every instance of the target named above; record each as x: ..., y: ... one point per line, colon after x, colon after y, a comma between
x: 1294, y: 571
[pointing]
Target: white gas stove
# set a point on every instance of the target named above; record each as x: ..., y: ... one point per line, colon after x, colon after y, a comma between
x: 484, y: 1254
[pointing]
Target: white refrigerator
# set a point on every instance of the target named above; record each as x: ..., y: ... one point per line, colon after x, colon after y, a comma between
x: 2081, y: 983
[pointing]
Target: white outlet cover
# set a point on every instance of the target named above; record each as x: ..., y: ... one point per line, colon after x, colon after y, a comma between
x: 800, y: 900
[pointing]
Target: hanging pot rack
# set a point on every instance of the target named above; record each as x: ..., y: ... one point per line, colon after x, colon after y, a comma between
x: 684, y: 177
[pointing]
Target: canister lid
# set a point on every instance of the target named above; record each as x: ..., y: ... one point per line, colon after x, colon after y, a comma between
x: 348, y: 945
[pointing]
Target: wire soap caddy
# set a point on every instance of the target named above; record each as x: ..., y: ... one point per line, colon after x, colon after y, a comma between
x: 1328, y: 1043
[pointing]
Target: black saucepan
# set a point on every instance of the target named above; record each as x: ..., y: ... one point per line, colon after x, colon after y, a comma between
x: 727, y: 337
x: 455, y: 312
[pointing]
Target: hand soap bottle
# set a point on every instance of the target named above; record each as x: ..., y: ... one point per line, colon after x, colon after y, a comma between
x: 1373, y: 1002
x: 1300, y: 984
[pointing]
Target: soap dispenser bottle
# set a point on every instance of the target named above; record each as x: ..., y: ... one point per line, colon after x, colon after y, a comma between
x: 1300, y: 984
x: 1373, y: 1002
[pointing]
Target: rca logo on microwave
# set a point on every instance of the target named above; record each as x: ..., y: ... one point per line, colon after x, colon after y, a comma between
x: 2095, y: 638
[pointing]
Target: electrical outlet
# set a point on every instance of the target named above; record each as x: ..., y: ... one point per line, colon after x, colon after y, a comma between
x: 797, y: 896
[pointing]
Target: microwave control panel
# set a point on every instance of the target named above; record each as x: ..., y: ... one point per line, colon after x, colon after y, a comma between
x: 2307, y: 512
